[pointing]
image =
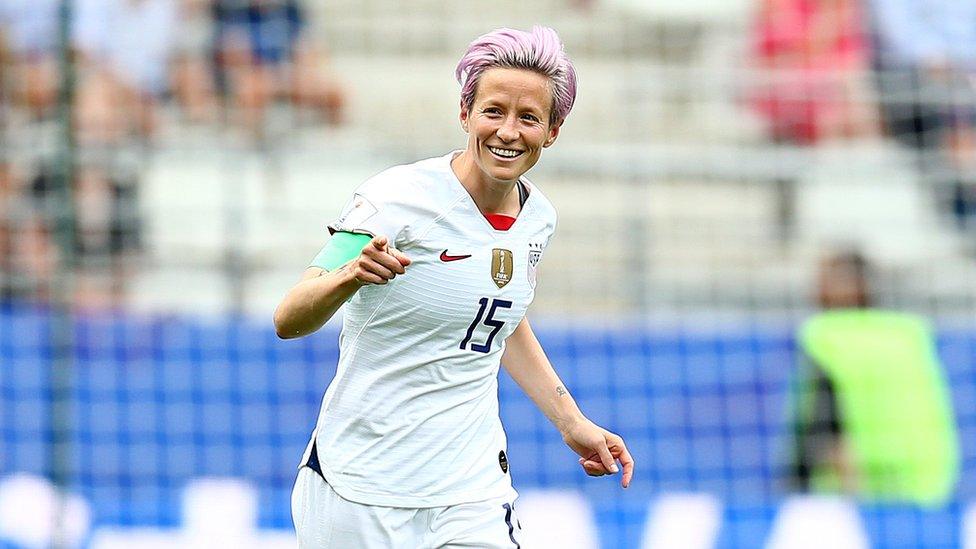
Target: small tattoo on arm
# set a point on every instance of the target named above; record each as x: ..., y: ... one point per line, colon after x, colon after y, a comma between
x: 560, y: 391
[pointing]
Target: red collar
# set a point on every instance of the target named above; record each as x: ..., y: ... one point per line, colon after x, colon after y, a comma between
x: 500, y: 222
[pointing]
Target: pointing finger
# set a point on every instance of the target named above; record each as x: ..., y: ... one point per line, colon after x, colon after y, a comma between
x: 628, y: 463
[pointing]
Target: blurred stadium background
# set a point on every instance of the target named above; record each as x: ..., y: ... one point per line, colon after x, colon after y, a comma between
x: 167, y: 170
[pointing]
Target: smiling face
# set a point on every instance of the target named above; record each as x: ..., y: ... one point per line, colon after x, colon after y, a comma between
x: 508, y: 122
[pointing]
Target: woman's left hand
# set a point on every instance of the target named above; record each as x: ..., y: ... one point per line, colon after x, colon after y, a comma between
x: 599, y: 450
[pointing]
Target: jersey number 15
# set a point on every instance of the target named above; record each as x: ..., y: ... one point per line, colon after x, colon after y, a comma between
x: 489, y: 321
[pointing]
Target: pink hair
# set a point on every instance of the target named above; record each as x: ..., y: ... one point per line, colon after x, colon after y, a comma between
x: 540, y: 51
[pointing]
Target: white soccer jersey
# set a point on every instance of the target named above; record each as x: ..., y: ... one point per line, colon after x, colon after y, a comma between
x: 411, y: 417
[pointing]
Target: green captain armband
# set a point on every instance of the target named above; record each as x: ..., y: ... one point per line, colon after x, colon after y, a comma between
x: 342, y: 248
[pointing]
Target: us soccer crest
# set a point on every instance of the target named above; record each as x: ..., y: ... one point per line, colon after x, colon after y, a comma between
x: 535, y: 255
x: 501, y: 266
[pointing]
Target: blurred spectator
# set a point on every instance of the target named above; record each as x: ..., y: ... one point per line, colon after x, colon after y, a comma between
x: 815, y: 54
x: 126, y: 49
x: 263, y: 53
x: 27, y: 256
x: 107, y: 227
x: 29, y: 40
x: 29, y: 81
x: 872, y: 411
x: 123, y: 51
x: 925, y: 55
x: 193, y: 78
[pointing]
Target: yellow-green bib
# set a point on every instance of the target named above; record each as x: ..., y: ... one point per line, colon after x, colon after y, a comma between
x: 892, y: 400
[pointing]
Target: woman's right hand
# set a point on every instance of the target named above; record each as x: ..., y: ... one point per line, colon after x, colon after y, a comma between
x: 378, y: 263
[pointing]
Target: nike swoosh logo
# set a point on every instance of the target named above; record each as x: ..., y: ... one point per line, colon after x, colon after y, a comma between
x: 445, y: 257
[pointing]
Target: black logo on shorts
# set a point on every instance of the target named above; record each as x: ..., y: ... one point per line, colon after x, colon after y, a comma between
x: 503, y: 461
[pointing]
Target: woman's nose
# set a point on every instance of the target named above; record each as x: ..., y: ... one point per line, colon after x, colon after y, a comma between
x: 507, y: 131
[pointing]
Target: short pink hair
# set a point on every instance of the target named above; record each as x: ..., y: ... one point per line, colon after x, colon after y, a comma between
x: 540, y: 51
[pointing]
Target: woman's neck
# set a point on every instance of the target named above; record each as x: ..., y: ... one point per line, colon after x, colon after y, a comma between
x: 491, y: 196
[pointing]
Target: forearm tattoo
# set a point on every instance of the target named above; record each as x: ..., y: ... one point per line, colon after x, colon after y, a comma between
x: 560, y: 391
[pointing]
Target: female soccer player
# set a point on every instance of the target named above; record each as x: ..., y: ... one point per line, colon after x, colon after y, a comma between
x: 436, y: 264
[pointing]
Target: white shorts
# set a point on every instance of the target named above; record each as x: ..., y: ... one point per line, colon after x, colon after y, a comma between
x: 324, y: 519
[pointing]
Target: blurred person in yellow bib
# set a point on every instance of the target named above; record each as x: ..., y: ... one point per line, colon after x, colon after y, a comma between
x: 873, y: 417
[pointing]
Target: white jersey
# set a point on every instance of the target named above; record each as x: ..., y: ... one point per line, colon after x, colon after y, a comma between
x: 411, y: 417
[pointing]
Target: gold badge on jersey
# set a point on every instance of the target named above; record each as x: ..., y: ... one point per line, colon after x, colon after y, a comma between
x: 501, y: 266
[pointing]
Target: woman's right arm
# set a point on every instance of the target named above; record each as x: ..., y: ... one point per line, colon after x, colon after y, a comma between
x: 320, y: 293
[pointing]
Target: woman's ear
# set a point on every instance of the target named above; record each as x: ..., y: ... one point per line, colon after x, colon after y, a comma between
x: 553, y: 134
x: 464, y: 117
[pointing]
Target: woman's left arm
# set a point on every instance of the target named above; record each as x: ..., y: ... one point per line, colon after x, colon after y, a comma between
x: 598, y: 448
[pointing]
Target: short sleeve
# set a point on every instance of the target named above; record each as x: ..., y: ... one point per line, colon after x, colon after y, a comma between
x: 378, y: 207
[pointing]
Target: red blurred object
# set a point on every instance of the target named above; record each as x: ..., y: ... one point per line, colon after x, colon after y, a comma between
x: 810, y: 49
